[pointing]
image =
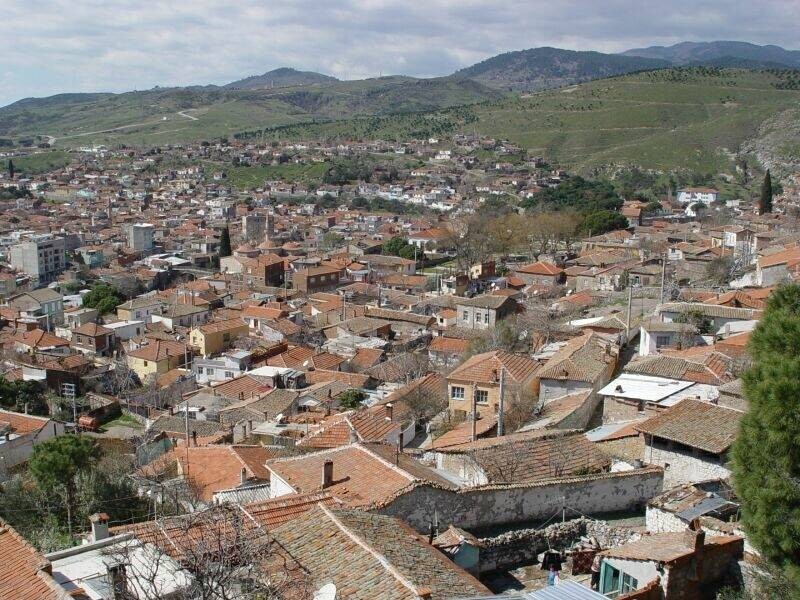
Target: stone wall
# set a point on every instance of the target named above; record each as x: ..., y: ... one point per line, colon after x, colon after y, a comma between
x: 658, y: 520
x: 521, y: 547
x: 500, y: 505
x: 683, y: 465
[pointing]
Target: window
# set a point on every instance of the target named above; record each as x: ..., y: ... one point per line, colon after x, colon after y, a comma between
x: 609, y: 581
x: 478, y: 318
x: 226, y: 337
x: 482, y: 396
x: 457, y: 393
x: 662, y: 340
x: 628, y: 583
x: 199, y: 370
x: 465, y: 315
x: 229, y: 374
x: 145, y: 363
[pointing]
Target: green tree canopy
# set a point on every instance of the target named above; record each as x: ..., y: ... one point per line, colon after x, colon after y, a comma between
x: 394, y: 246
x: 765, y: 201
x: 105, y: 298
x: 766, y: 453
x: 225, y: 243
x: 352, y: 399
x: 56, y: 463
x: 15, y: 395
x: 603, y: 221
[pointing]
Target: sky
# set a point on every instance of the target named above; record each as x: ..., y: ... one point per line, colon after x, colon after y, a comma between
x: 57, y: 46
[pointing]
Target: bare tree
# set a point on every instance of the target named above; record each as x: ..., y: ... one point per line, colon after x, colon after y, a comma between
x: 222, y: 553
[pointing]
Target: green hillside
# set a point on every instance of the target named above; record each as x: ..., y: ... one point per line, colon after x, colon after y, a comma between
x: 690, y: 118
x: 168, y: 115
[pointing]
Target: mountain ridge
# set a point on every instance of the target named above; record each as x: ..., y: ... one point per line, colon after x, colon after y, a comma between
x: 278, y: 78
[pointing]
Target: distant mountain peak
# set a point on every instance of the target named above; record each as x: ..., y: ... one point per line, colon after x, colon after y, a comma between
x: 688, y: 53
x: 280, y: 77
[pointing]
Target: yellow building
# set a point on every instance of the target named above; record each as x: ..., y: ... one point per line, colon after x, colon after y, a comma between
x: 157, y: 357
x: 480, y: 375
x: 213, y: 338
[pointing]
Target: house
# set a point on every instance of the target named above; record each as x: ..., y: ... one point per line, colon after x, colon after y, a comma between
x: 44, y: 305
x: 360, y: 475
x: 446, y: 352
x: 478, y: 380
x: 777, y: 267
x: 264, y: 406
x: 364, y: 556
x: 363, y: 426
x: 655, y: 334
x: 37, y: 340
x: 540, y: 274
x: 118, y: 566
x: 714, y: 316
x: 683, y: 565
x: 691, y: 441
x: 158, y: 357
x: 693, y: 195
x: 435, y: 239
x: 19, y: 433
x: 183, y: 315
x: 586, y: 362
x: 315, y: 279
x: 24, y: 573
x: 521, y: 458
x: 216, y: 336
x: 229, y: 365
x: 632, y: 396
x: 209, y: 471
x: 139, y: 309
x: 91, y: 338
x: 484, y: 312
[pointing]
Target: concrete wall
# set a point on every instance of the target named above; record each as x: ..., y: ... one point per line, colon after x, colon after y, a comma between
x: 684, y: 464
x: 498, y: 505
x: 550, y: 389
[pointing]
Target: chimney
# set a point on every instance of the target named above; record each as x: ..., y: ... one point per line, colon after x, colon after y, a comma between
x: 389, y: 411
x: 327, y: 474
x: 99, y: 523
x: 244, y: 476
x: 194, y: 438
x: 119, y: 581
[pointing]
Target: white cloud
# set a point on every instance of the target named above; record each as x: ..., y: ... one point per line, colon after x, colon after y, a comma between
x: 52, y: 46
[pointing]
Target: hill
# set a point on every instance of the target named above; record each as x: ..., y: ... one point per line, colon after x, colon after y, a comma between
x: 687, y: 53
x: 543, y: 68
x: 165, y: 115
x: 697, y: 119
x: 278, y: 78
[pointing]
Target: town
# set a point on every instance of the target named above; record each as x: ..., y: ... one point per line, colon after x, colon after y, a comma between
x: 439, y: 369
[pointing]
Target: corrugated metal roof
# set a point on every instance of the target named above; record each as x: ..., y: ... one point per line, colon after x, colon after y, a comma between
x: 567, y: 590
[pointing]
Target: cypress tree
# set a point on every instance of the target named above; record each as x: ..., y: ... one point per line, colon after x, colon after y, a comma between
x: 225, y: 243
x: 766, y: 453
x: 765, y: 202
x: 11, y: 170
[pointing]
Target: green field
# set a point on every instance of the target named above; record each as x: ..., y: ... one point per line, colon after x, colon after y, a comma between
x: 244, y: 178
x: 693, y: 119
x: 171, y: 115
x: 39, y: 162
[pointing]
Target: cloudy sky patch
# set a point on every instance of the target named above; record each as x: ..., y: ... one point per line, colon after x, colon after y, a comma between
x: 55, y: 46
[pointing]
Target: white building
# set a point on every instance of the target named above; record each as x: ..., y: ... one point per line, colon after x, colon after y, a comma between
x: 141, y: 237
x: 693, y: 195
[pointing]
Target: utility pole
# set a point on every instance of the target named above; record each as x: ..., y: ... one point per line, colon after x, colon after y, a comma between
x: 628, y: 317
x: 501, y: 405
x: 474, y: 434
x: 663, y: 276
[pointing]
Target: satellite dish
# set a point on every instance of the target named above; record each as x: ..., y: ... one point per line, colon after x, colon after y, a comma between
x: 326, y: 592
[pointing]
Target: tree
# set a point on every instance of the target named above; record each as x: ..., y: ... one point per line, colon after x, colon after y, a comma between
x: 352, y: 399
x: 394, y: 246
x: 765, y: 201
x: 331, y: 240
x: 11, y: 170
x: 766, y: 455
x: 56, y: 463
x: 225, y: 243
x: 603, y: 221
x: 22, y: 396
x: 105, y: 298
